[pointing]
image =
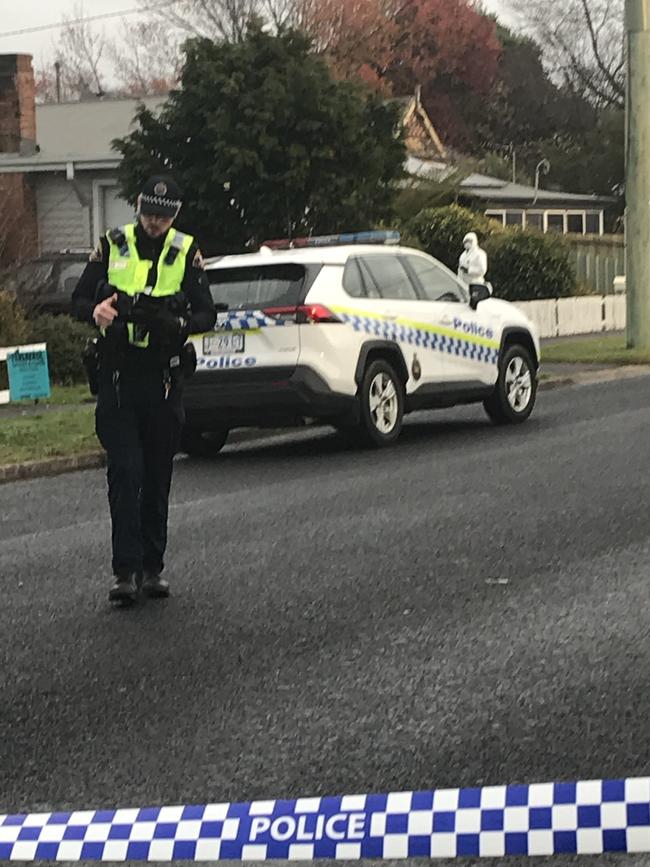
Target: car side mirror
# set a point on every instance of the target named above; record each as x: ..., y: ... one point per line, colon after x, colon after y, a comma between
x: 478, y: 292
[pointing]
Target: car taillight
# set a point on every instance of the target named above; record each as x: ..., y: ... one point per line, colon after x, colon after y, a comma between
x: 316, y: 314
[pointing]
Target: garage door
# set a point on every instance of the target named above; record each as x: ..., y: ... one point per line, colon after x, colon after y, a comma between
x: 114, y: 211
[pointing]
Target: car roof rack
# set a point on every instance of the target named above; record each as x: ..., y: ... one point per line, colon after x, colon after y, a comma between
x: 374, y: 237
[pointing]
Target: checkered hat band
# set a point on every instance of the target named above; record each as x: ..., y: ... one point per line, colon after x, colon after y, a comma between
x: 587, y: 817
x: 160, y: 201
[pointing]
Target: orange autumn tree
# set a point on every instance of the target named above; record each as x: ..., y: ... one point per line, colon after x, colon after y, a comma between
x: 447, y: 46
x: 356, y: 36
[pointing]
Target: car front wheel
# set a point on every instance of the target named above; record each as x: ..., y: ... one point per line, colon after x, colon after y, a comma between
x: 513, y: 398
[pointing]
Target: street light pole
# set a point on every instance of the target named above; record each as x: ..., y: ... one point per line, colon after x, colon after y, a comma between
x: 637, y: 146
x: 542, y: 166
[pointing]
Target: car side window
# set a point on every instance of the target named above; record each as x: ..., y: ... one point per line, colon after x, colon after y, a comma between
x: 357, y: 280
x: 390, y: 277
x: 353, y: 280
x: 436, y: 283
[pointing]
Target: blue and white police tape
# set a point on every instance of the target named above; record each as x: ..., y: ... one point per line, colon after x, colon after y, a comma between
x: 587, y: 817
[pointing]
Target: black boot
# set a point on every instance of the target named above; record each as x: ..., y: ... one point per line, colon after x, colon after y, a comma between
x: 154, y: 586
x: 125, y: 589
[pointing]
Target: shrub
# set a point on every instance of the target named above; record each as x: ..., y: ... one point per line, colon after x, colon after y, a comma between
x: 14, y: 327
x: 522, y: 265
x: 440, y: 231
x: 65, y: 338
x: 525, y: 266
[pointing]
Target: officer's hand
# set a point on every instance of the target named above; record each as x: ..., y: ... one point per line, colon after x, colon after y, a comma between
x: 105, y: 313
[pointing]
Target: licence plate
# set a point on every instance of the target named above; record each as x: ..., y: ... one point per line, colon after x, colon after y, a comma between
x: 222, y: 344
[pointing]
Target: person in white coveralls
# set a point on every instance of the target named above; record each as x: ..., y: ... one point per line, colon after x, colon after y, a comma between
x: 473, y: 262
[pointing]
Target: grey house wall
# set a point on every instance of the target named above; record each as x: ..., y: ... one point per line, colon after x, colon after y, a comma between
x: 68, y: 210
x: 63, y: 221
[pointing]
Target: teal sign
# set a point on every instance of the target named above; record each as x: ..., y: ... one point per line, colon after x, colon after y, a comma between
x: 29, y: 376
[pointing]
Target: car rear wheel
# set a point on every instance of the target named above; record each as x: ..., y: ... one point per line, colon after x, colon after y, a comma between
x: 203, y: 444
x: 513, y: 398
x: 381, y: 410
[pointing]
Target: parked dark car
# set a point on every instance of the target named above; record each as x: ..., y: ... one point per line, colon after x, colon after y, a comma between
x: 46, y: 284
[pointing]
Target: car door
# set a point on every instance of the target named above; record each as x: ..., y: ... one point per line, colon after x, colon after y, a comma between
x: 395, y: 311
x: 469, y: 339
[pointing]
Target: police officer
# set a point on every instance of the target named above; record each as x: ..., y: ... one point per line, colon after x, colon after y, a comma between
x: 141, y: 370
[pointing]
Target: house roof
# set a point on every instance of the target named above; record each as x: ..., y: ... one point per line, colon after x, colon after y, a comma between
x: 497, y: 191
x: 79, y: 133
x: 500, y: 193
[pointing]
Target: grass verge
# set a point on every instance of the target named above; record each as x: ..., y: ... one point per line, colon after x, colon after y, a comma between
x: 605, y: 349
x: 38, y: 437
x: 62, y: 395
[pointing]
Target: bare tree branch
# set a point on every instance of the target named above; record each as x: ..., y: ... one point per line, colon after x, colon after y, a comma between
x: 616, y: 86
x: 147, y: 58
x: 583, y: 40
x: 81, y: 51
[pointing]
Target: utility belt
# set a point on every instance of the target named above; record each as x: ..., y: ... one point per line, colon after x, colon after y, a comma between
x: 96, y: 359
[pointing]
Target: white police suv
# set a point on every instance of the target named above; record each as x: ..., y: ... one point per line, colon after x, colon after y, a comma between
x: 352, y: 331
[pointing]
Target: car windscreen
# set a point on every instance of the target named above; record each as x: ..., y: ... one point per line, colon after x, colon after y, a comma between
x: 257, y: 286
x: 69, y: 277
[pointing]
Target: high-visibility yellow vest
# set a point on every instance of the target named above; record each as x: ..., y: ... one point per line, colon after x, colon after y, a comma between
x: 129, y: 273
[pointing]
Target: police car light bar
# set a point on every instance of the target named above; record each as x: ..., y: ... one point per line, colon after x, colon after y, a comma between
x: 377, y: 237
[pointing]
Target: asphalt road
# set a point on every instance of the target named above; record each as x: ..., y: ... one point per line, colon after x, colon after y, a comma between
x: 336, y: 626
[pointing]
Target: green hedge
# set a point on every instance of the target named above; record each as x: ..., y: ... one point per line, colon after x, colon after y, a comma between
x: 440, y: 231
x: 14, y: 326
x: 14, y: 329
x: 521, y: 265
x: 525, y: 266
x: 65, y: 338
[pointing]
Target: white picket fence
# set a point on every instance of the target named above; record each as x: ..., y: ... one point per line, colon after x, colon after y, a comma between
x: 588, y: 314
x: 5, y: 396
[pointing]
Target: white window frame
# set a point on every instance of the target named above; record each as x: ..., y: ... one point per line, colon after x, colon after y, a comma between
x: 493, y: 215
x: 539, y: 213
x: 521, y: 212
x: 554, y: 212
x: 565, y: 213
x: 99, y: 186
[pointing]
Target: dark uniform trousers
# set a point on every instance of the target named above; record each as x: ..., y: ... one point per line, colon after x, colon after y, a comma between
x: 140, y: 432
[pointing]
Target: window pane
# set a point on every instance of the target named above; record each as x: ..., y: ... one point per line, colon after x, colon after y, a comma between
x: 242, y: 288
x: 556, y: 223
x: 368, y: 280
x: 593, y: 224
x: 390, y: 277
x: 436, y: 283
x: 575, y: 223
x: 535, y: 221
x: 69, y: 277
x: 495, y: 215
x: 352, y: 279
x: 515, y: 218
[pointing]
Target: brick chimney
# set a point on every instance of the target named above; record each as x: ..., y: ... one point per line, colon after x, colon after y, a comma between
x: 18, y: 221
x: 17, y: 105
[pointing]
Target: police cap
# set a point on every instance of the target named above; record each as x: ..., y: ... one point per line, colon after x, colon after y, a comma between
x: 160, y: 196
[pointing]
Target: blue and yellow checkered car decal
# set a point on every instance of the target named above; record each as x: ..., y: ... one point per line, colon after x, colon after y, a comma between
x: 453, y: 341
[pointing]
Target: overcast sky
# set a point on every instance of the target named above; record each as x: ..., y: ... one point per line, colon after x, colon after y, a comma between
x: 19, y: 14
